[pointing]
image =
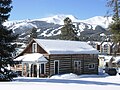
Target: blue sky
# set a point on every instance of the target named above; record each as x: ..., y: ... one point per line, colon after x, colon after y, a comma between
x: 33, y: 9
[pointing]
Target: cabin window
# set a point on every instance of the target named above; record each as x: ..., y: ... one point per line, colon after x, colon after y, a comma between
x: 56, y: 67
x: 77, y: 64
x: 34, y: 47
x: 42, y: 68
x: 91, y: 66
x: 105, y: 48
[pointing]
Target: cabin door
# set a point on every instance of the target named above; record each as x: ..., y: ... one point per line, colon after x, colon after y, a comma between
x: 33, y: 70
x: 77, y: 67
x: 56, y: 67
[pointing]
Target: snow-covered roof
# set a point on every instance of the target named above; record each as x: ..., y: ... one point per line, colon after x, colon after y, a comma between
x: 94, y: 42
x: 107, y: 43
x: 106, y: 57
x: 66, y: 47
x: 33, y: 57
x: 117, y: 59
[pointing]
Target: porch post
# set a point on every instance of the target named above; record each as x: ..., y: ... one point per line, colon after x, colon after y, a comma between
x: 38, y: 70
x: 29, y: 71
x: 22, y: 69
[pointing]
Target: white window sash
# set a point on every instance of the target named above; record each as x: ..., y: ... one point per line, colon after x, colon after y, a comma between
x: 34, y: 47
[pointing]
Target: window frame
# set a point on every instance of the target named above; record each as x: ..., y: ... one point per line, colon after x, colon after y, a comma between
x: 78, y: 63
x: 34, y: 48
x: 91, y: 66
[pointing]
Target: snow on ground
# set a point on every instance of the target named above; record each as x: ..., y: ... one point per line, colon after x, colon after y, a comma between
x: 64, y: 82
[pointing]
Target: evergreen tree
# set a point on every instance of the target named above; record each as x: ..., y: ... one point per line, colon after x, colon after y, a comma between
x: 33, y: 33
x: 115, y: 5
x: 114, y: 27
x: 115, y: 30
x: 68, y: 31
x: 6, y: 37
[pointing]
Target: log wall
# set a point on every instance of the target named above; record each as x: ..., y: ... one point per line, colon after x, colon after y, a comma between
x: 66, y: 64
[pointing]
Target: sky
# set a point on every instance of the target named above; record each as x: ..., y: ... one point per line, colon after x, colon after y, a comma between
x: 34, y: 9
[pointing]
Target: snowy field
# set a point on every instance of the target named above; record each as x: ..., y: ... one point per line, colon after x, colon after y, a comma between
x: 64, y: 82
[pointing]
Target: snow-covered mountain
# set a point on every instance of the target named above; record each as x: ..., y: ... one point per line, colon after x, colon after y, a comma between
x: 58, y: 19
x: 50, y: 26
x: 97, y: 20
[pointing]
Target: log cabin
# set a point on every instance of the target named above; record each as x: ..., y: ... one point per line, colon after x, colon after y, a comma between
x: 44, y: 58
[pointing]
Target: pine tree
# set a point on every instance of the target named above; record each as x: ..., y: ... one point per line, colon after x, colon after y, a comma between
x: 115, y: 30
x: 68, y: 31
x: 33, y: 33
x: 114, y: 27
x: 6, y: 37
x: 115, y: 6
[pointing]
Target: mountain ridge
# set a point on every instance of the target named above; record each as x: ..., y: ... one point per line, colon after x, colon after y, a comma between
x: 50, y: 26
x: 58, y: 19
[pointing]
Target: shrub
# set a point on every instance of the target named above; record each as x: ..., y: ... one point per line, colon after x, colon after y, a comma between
x: 111, y: 71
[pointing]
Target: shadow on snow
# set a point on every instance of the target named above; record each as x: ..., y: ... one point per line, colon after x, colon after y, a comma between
x: 67, y: 81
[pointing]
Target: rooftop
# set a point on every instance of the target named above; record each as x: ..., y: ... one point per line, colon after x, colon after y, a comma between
x: 66, y: 47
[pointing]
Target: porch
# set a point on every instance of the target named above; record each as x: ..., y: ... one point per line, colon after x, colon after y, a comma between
x: 32, y: 65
